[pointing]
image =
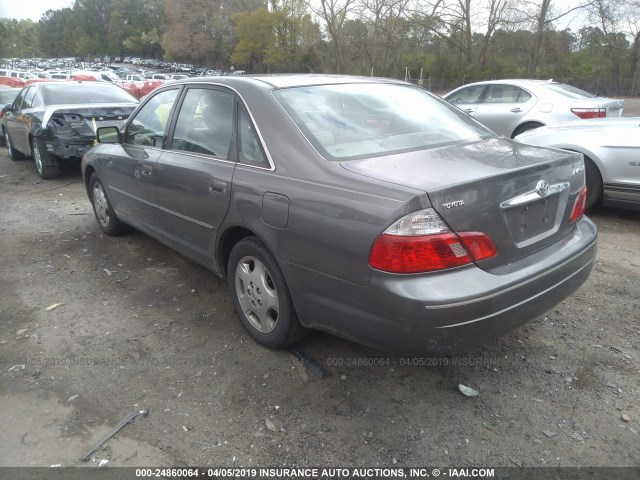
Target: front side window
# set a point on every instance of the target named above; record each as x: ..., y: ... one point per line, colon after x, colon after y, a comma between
x: 364, y: 120
x: 205, y: 123
x: 149, y: 124
x: 466, y: 96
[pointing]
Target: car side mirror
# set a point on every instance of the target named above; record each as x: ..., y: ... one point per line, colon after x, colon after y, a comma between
x: 108, y: 135
x: 8, y: 107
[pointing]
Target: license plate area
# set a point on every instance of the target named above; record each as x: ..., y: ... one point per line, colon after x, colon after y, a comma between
x: 529, y: 221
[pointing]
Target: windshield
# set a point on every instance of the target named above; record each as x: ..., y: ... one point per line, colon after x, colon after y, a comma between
x: 92, y: 92
x: 363, y: 120
x: 569, y: 91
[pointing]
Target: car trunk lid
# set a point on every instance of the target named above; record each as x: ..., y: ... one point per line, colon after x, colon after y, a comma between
x: 519, y: 195
x: 83, y: 120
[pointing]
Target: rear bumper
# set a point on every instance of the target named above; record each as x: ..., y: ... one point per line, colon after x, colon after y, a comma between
x: 444, y: 311
x: 67, y: 149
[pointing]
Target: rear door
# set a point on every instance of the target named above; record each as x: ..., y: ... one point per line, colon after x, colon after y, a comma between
x: 193, y: 182
x: 503, y: 106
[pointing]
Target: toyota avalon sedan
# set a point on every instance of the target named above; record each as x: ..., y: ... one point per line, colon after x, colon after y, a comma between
x: 511, y: 107
x: 367, y: 208
x: 53, y: 121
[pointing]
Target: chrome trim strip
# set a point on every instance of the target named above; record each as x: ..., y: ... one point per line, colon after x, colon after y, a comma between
x: 164, y: 209
x: 542, y: 190
x: 508, y: 289
x: 188, y: 84
x: 511, y: 307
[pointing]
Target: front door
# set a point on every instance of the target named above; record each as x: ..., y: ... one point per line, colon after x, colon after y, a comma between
x: 130, y: 168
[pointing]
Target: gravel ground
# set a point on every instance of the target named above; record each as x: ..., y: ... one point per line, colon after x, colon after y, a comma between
x: 139, y: 326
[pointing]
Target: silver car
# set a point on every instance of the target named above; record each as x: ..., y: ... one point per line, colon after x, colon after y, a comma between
x: 611, y: 149
x: 335, y: 203
x: 511, y: 107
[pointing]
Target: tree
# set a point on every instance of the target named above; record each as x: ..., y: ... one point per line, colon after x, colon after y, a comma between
x: 334, y: 14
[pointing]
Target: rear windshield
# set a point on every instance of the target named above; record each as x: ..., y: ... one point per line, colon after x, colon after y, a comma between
x: 569, y: 91
x: 364, y: 120
x: 74, y: 93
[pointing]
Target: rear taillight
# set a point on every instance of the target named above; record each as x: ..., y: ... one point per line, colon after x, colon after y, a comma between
x: 578, y: 206
x: 422, y: 242
x: 585, y: 113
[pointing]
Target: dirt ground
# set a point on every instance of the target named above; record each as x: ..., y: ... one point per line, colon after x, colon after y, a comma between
x: 140, y: 327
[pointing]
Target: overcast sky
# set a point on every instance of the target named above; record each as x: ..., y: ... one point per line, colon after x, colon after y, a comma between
x: 33, y: 9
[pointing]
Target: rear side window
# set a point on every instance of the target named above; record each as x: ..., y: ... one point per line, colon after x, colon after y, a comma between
x: 569, y: 91
x: 506, y: 94
x: 205, y: 123
x: 250, y: 152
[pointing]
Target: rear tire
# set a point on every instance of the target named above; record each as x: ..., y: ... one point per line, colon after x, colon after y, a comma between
x: 47, y: 166
x: 593, y: 180
x: 525, y: 128
x: 13, y: 153
x: 102, y: 209
x: 260, y: 295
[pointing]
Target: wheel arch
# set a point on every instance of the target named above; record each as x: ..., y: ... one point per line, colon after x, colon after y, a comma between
x: 88, y: 171
x: 228, y: 239
x: 523, y: 127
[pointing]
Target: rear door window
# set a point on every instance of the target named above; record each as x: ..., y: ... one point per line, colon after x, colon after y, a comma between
x: 500, y: 93
x: 205, y: 123
x: 250, y: 151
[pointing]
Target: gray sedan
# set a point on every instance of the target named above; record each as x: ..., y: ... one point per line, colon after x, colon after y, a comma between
x: 511, y: 107
x: 367, y: 208
x: 611, y: 149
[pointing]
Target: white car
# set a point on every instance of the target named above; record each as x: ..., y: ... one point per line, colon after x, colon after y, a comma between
x: 511, y: 107
x: 611, y: 149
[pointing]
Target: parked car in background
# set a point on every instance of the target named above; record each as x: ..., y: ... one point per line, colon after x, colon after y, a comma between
x: 611, y: 149
x: 335, y: 203
x: 7, y: 96
x: 56, y: 121
x: 511, y: 107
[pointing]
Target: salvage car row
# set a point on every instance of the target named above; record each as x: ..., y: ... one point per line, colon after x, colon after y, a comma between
x: 329, y: 202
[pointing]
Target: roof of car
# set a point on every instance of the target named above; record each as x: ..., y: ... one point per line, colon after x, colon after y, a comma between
x: 289, y: 80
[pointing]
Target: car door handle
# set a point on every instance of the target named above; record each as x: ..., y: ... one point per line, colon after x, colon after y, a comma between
x: 516, y: 110
x: 468, y: 110
x: 218, y: 187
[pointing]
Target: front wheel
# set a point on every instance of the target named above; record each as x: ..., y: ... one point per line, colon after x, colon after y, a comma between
x: 47, y: 166
x: 13, y: 153
x: 260, y: 295
x: 106, y: 217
